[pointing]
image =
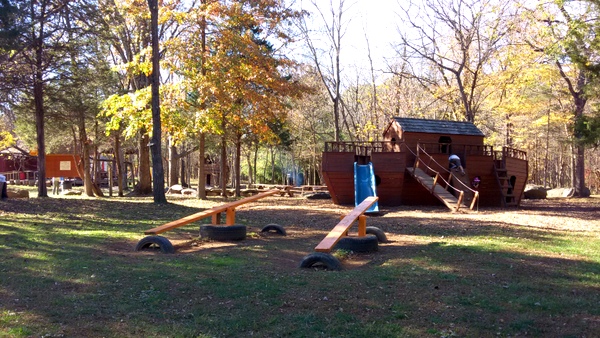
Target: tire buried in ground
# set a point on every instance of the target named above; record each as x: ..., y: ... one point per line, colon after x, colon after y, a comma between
x: 223, y: 233
x: 319, y: 259
x: 155, y: 242
x: 276, y: 228
x: 381, y: 237
x: 363, y: 244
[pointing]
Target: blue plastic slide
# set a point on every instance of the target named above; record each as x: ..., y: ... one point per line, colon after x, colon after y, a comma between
x: 364, y: 184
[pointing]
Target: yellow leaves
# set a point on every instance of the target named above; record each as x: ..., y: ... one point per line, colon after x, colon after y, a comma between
x: 131, y: 111
x: 552, y: 118
x: 141, y: 64
x: 6, y: 139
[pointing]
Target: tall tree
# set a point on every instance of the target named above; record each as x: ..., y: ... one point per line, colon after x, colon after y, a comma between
x: 456, y: 38
x: 155, y: 144
x: 37, y: 56
x: 127, y: 25
x: 330, y: 71
x: 239, y: 85
x: 571, y: 43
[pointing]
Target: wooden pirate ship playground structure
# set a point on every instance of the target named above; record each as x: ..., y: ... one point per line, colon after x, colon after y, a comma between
x: 411, y: 167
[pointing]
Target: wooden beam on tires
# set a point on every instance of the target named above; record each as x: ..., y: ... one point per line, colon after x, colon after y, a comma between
x: 340, y: 230
x: 214, y: 212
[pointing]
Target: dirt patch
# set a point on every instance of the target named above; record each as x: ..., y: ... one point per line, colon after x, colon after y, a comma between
x: 307, y: 222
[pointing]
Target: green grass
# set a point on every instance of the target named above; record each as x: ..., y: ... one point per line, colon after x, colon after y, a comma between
x: 67, y: 268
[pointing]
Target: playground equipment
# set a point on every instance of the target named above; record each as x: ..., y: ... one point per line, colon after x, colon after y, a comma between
x: 502, y: 173
x: 364, y: 184
x: 366, y: 241
x: 454, y: 191
x: 338, y: 235
x: 229, y: 232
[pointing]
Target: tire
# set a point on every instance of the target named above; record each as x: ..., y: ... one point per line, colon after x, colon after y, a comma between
x: 321, y: 259
x: 381, y: 237
x: 364, y: 244
x: 155, y: 242
x: 278, y: 229
x: 223, y: 232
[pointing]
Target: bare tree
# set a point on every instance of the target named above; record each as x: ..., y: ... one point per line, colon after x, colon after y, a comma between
x: 457, y: 38
x: 329, y: 70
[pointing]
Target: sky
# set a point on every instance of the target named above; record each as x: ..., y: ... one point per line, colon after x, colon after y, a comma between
x: 375, y: 18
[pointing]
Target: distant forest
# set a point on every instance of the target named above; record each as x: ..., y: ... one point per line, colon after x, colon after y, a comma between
x: 166, y: 89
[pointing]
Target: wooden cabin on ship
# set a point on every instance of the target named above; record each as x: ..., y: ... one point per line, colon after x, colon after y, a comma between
x: 411, y: 166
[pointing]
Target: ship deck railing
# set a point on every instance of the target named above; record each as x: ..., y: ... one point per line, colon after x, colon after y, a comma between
x: 364, y: 148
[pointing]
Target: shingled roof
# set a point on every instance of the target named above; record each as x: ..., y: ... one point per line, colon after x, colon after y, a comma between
x: 437, y: 126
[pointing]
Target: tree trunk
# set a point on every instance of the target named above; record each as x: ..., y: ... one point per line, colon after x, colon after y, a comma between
x: 173, y: 164
x: 144, y: 186
x: 254, y: 174
x: 224, y: 165
x: 119, y: 163
x: 85, y: 158
x: 38, y: 97
x: 237, y: 165
x: 250, y: 169
x: 272, y: 165
x: 157, y: 162
x: 579, y: 150
x: 182, y: 174
x: 201, y: 194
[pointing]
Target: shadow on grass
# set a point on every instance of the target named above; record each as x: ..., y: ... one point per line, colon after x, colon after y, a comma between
x: 68, y: 271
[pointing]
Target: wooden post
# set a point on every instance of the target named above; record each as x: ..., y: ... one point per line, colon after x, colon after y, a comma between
x: 475, y: 197
x: 230, y: 216
x: 362, y: 226
x: 216, y: 218
x: 460, y: 198
x: 434, y: 182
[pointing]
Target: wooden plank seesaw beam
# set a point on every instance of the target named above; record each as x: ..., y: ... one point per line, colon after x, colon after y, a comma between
x: 340, y: 230
x: 215, y: 212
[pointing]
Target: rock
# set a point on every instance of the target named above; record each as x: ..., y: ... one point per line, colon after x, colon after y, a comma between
x: 586, y: 192
x: 175, y: 189
x: 560, y: 193
x: 188, y: 191
x: 535, y: 192
x: 72, y: 192
x: 17, y: 193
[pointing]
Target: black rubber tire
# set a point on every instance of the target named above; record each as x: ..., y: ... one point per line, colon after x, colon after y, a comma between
x: 278, y: 229
x: 320, y: 258
x: 155, y: 242
x: 381, y: 237
x: 363, y: 244
x: 223, y: 232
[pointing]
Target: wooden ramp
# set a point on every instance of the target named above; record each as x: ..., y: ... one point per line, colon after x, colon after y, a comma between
x: 435, y: 189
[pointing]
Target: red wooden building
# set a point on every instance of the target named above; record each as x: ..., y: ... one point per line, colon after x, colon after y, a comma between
x: 411, y: 166
x: 63, y: 165
x: 20, y: 166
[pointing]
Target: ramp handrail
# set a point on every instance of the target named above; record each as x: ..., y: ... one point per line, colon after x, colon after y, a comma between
x: 437, y: 176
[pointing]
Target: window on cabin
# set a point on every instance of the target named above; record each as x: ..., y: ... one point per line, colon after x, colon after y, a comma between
x: 445, y: 144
